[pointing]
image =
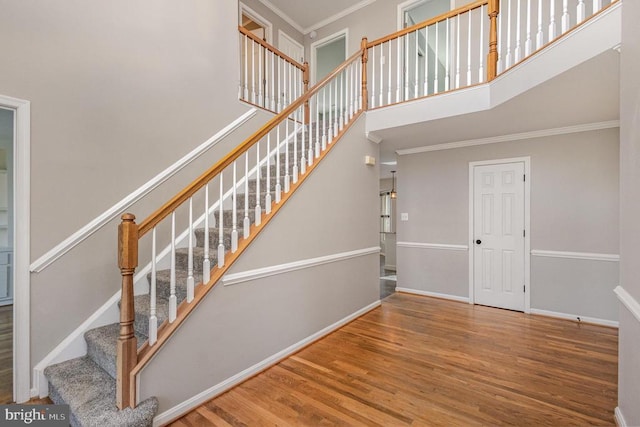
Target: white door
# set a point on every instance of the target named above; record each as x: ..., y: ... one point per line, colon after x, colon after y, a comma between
x: 498, y: 232
x: 290, y: 47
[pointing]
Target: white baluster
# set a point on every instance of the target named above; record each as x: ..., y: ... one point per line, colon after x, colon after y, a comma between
x: 190, y: 280
x: 330, y: 113
x: 399, y: 70
x: 457, y: 78
x: 295, y: 150
x: 389, y: 88
x: 540, y: 33
x: 258, y: 207
x: 267, y: 197
x: 303, y: 147
x: 565, y: 16
x: 234, y: 211
x: 552, y: 21
x: 287, y: 178
x: 278, y: 184
x: 253, y: 71
x: 597, y: 5
x: 373, y: 77
x: 273, y: 83
x: 406, y: 67
x: 447, y: 60
x: 501, y: 20
x: 341, y: 105
x: 246, y: 69
x: 416, y: 77
x: 481, y: 75
x: 382, y: 61
x: 528, y: 42
x: 246, y: 223
x: 220, y: 225
x: 336, y: 120
x: 279, y: 105
x: 317, y: 124
x: 324, y: 118
x: 153, y: 318
x: 468, y: 51
x: 581, y: 11
x: 507, y: 57
x: 206, y: 263
x: 173, y: 301
x: 345, y: 96
x: 437, y: 62
x: 517, y: 53
x: 426, y: 61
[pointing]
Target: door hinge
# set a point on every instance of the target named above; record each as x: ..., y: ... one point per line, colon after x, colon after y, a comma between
x: 524, y: 233
x: 524, y: 288
x: 524, y: 177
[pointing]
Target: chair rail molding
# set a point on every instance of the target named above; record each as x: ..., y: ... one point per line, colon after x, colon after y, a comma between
x: 439, y: 246
x: 576, y: 255
x: 82, y: 234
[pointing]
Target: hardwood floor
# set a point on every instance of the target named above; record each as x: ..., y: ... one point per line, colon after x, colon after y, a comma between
x: 424, y: 361
x: 6, y: 354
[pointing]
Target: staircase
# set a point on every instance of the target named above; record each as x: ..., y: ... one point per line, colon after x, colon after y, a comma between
x: 88, y: 384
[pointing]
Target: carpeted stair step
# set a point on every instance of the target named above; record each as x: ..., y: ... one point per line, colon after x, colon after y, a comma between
x: 253, y: 198
x: 101, y: 346
x: 91, y: 395
x: 182, y: 264
x: 214, y: 239
x: 227, y: 214
x: 141, y: 305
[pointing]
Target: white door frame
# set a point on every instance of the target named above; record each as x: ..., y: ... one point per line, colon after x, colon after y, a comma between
x: 527, y: 226
x: 21, y: 249
x: 409, y: 4
x: 282, y: 35
x: 323, y: 41
x: 244, y: 9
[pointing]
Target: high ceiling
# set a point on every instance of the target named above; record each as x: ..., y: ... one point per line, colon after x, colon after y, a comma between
x: 307, y: 15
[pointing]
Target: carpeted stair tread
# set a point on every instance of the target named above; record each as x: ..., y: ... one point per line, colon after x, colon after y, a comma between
x: 141, y: 305
x: 91, y: 395
x: 101, y: 346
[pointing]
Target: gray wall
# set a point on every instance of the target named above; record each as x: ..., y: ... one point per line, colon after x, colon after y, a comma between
x: 574, y: 208
x: 119, y: 91
x: 629, y: 363
x: 240, y: 325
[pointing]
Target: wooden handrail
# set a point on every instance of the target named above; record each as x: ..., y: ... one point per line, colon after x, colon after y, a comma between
x: 428, y: 22
x: 271, y: 48
x: 155, y: 218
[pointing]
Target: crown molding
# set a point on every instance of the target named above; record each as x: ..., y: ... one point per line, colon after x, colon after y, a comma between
x: 587, y: 127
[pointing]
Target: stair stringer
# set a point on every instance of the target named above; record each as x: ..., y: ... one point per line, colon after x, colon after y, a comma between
x: 237, y: 327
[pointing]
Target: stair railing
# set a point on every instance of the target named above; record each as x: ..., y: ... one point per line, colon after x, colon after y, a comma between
x: 271, y: 164
x: 268, y: 77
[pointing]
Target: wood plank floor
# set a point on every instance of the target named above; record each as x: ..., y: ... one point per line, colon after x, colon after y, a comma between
x: 424, y: 361
x: 6, y: 354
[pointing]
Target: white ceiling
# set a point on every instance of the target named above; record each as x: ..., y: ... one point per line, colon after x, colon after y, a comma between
x: 307, y: 15
x: 588, y: 93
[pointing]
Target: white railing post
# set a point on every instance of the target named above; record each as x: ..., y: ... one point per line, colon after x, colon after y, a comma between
x: 190, y: 279
x: 267, y: 197
x: 206, y: 264
x: 581, y: 11
x: 552, y: 21
x: 528, y: 42
x: 234, y: 219
x: 246, y: 224
x: 258, y: 207
x: 221, y: 250
x: 153, y: 318
x: 565, y: 16
x: 517, y: 53
x: 173, y: 301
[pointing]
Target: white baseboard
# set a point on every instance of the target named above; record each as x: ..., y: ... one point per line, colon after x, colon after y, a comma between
x: 574, y: 317
x: 197, y: 400
x: 620, y: 421
x: 74, y: 344
x: 433, y: 294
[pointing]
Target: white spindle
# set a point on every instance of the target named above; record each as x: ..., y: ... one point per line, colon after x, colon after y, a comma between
x: 457, y: 77
x: 267, y: 197
x: 278, y: 184
x: 437, y: 62
x: 303, y: 147
x: 307, y: 130
x: 342, y: 98
x: 426, y: 61
x: 468, y: 50
x: 406, y: 67
x: 565, y: 16
x: 481, y: 75
x: 552, y: 21
x: 517, y: 52
x: 382, y: 61
x: 324, y: 118
x: 287, y: 178
x: 336, y: 120
x: 153, y: 318
x: 220, y: 224
x: 190, y: 280
x: 540, y: 33
x: 373, y: 77
x: 390, y: 62
x: 399, y: 71
x: 234, y: 210
x: 296, y: 171
x: 173, y: 301
x: 317, y: 124
x: 253, y: 71
x: 273, y: 82
x: 246, y: 224
x: 258, y: 208
x: 260, y: 77
x: 278, y: 104
x: 206, y: 263
x: 507, y: 56
x: 597, y: 5
x: 416, y: 76
x: 447, y: 59
x: 528, y: 42
x: 581, y: 11
x: 501, y: 20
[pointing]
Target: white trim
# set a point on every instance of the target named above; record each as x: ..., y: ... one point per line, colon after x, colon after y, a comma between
x: 409, y: 4
x: 184, y: 407
x: 76, y: 238
x: 440, y: 246
x: 282, y: 15
x: 628, y: 301
x: 586, y: 127
x: 283, y: 35
x: 323, y: 41
x: 576, y: 255
x: 619, y: 418
x: 255, y: 16
x: 74, y: 345
x: 375, y: 138
x: 574, y: 317
x: 259, y: 273
x: 432, y: 294
x: 21, y: 245
x: 527, y: 225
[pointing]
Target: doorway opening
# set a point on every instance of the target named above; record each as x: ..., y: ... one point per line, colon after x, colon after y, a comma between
x: 327, y: 54
x: 499, y: 224
x: 255, y: 23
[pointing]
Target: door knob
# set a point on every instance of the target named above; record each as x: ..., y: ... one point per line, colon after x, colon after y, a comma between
x: 478, y: 241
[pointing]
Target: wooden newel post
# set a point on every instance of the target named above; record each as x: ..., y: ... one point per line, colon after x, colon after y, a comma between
x: 492, y: 58
x: 365, y: 59
x: 127, y: 356
x: 305, y: 80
